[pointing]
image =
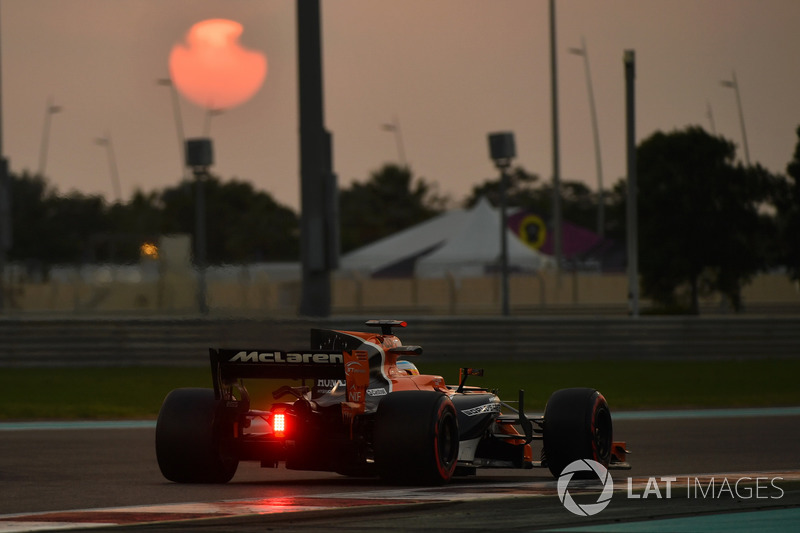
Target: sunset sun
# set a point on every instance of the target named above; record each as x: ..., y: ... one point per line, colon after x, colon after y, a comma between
x: 212, y: 69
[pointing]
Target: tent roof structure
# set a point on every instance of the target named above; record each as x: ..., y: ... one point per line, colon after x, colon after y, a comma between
x: 461, y: 242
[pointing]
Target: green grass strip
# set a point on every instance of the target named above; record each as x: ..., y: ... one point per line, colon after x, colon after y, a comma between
x: 91, y: 393
x: 645, y: 384
x: 137, y: 392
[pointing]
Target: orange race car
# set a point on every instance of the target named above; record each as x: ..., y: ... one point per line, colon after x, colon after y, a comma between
x: 357, y: 406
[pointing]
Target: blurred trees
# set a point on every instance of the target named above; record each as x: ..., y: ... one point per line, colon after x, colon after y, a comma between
x: 49, y: 228
x: 391, y: 200
x: 528, y: 191
x: 787, y: 204
x: 703, y: 221
x: 242, y: 224
x: 706, y: 222
x: 523, y: 189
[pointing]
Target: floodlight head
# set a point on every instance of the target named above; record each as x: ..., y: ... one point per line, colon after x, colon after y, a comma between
x: 502, y: 148
x: 199, y: 153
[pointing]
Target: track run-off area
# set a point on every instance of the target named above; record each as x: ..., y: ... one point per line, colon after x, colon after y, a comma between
x: 732, y: 469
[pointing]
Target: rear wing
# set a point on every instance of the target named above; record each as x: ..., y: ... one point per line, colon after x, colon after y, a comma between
x: 229, y: 365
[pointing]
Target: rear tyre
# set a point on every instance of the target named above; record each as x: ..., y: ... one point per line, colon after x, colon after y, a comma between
x: 194, y: 441
x: 577, y: 425
x: 416, y: 437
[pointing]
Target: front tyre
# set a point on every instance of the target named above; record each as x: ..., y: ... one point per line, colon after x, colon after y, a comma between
x: 416, y: 437
x: 194, y: 441
x: 577, y: 425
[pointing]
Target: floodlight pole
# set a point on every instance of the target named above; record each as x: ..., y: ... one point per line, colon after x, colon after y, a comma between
x: 210, y: 112
x: 734, y: 84
x: 49, y: 111
x: 504, y: 237
x: 601, y: 219
x: 5, y: 223
x: 632, y: 216
x: 710, y: 115
x: 5, y: 206
x: 502, y: 149
x: 318, y: 190
x: 200, y: 174
x: 176, y: 112
x: 105, y: 141
x: 557, y: 234
x: 394, y: 127
x: 199, y: 157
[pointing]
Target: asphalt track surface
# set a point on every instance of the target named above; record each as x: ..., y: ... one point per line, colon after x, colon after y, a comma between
x: 68, y: 469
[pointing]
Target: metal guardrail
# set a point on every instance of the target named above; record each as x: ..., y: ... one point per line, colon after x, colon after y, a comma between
x: 81, y: 341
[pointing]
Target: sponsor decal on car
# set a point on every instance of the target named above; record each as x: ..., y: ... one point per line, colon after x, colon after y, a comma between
x: 330, y: 383
x: 356, y: 369
x: 485, y: 408
x: 278, y: 357
x: 377, y: 392
x: 325, y: 386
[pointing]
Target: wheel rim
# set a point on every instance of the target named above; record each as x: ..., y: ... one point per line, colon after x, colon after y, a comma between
x: 447, y: 442
x: 602, y: 434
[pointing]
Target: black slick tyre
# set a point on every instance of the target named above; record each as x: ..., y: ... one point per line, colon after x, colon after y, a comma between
x: 577, y: 425
x: 416, y: 437
x: 194, y: 442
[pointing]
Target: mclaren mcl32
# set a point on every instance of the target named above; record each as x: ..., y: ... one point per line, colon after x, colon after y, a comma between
x: 355, y: 404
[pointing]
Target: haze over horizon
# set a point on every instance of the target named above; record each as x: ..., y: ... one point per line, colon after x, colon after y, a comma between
x: 449, y: 71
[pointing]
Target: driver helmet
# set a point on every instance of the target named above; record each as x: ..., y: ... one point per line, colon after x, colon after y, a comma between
x: 408, y: 367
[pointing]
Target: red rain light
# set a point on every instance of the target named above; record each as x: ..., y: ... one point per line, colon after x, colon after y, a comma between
x: 279, y: 424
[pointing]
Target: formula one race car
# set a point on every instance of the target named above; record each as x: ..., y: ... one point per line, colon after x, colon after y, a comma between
x: 358, y: 409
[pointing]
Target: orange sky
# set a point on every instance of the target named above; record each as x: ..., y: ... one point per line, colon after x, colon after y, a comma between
x: 451, y: 71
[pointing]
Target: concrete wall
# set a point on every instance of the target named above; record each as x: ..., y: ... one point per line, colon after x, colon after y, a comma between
x: 598, y: 294
x: 108, y: 341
